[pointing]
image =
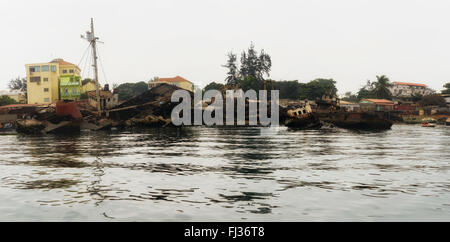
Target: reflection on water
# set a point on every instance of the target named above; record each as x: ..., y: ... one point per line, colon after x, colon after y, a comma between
x: 227, y: 174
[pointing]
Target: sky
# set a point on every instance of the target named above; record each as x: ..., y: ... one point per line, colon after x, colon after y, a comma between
x: 351, y: 41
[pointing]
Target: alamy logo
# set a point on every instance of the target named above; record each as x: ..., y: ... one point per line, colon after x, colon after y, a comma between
x: 215, y: 112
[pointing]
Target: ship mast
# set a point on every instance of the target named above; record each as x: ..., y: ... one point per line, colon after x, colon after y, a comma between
x: 90, y: 36
x: 94, y: 51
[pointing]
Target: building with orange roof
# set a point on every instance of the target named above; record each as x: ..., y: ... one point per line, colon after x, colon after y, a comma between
x: 52, y: 81
x: 409, y: 89
x: 376, y: 105
x: 176, y: 81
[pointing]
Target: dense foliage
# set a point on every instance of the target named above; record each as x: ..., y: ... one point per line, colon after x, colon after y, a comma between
x: 129, y: 90
x: 254, y: 67
x: 447, y: 88
x: 315, y: 89
x: 377, y: 89
x: 432, y: 100
x: 6, y: 100
x: 213, y: 86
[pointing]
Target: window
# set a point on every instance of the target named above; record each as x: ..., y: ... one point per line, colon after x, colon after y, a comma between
x: 35, y: 69
x: 53, y: 68
x: 64, y: 71
x: 45, y: 68
x: 35, y: 79
x: 45, y: 79
x: 74, y: 91
x: 45, y: 89
x: 65, y: 92
x: 71, y: 71
x: 47, y: 100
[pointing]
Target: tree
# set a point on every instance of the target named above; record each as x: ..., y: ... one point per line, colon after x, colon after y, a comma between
x: 432, y: 100
x: 213, y: 86
x: 87, y: 80
x: 416, y: 97
x: 381, y: 88
x: 252, y: 83
x: 128, y: 90
x: 350, y: 97
x: 255, y: 65
x: 366, y: 91
x: 288, y: 89
x: 315, y: 89
x: 447, y: 88
x: 377, y: 89
x: 18, y: 84
x: 232, y: 74
x: 6, y: 100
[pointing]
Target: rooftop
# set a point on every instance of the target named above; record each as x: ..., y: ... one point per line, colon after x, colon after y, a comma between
x: 345, y: 102
x: 173, y: 79
x: 60, y: 61
x: 22, y: 105
x: 410, y: 84
x: 379, y: 101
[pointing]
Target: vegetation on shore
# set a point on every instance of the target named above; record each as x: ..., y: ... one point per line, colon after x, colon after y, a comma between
x: 253, y: 72
x: 6, y: 100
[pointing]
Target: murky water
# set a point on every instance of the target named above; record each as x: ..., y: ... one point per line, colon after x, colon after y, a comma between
x: 228, y: 174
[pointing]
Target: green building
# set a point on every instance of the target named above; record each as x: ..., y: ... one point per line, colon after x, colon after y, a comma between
x: 70, y: 87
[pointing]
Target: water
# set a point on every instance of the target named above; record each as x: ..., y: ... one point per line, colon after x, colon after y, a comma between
x: 228, y: 174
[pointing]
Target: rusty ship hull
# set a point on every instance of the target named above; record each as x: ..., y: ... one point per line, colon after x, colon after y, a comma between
x: 356, y: 120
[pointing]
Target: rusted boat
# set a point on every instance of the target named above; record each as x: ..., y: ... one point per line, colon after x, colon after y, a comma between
x: 64, y: 118
x: 356, y: 120
x: 301, y: 117
x: 329, y: 111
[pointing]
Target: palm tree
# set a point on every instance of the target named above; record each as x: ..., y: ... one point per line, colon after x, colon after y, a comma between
x: 381, y: 87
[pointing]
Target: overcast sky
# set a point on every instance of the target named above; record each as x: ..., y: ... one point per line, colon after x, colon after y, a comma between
x: 350, y: 41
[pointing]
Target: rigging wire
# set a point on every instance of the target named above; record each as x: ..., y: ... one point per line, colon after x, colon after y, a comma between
x: 83, y: 58
x: 101, y: 64
x: 84, y: 54
x: 84, y: 66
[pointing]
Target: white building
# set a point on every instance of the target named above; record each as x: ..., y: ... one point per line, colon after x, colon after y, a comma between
x: 406, y: 89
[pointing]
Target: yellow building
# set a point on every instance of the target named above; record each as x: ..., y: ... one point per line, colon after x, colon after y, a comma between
x: 88, y: 86
x: 43, y: 80
x: 176, y: 81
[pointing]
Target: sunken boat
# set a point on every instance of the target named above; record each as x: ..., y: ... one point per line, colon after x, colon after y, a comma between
x: 329, y: 110
x: 301, y: 116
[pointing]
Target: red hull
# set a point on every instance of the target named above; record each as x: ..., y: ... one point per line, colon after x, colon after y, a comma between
x: 68, y: 109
